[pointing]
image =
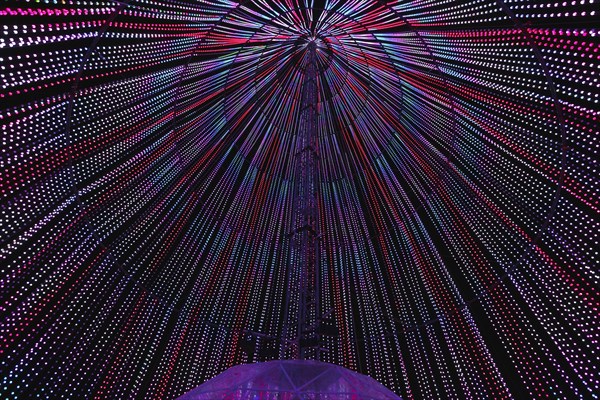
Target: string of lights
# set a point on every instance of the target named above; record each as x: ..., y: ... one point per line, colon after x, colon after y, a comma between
x: 148, y: 186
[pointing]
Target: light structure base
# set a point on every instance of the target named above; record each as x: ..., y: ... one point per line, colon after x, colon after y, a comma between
x: 290, y: 379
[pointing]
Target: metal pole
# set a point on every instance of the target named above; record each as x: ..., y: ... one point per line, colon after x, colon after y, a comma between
x: 305, y: 251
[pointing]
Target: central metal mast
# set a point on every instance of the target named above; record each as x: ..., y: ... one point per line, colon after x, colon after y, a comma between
x: 305, y: 253
x: 308, y: 214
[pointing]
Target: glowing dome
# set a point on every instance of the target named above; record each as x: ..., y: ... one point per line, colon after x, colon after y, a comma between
x: 290, y: 379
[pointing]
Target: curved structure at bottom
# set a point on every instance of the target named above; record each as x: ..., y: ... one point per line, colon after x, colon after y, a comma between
x: 290, y: 379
